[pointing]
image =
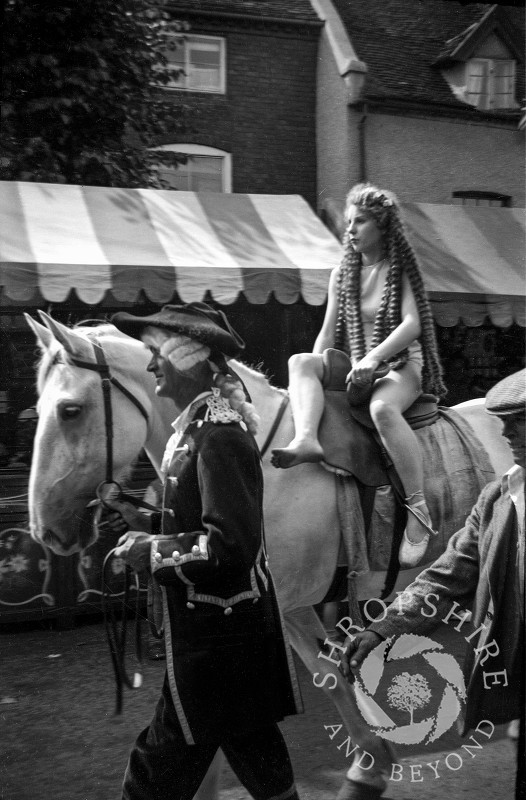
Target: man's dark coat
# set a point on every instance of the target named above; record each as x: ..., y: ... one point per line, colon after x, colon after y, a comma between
x: 228, y: 662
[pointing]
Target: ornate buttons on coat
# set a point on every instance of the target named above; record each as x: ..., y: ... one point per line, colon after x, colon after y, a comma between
x: 228, y: 611
x: 191, y: 606
x: 158, y: 557
x: 195, y: 549
x: 176, y: 555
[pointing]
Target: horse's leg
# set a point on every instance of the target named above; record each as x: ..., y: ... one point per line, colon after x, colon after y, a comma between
x: 209, y: 789
x: 305, y: 632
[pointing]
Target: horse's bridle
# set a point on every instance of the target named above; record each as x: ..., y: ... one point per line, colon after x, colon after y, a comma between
x: 115, y: 630
x: 101, y: 366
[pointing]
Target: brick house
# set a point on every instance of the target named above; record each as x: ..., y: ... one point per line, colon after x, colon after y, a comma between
x: 422, y: 96
x: 250, y: 82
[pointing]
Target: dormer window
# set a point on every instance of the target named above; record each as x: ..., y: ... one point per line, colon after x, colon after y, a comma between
x: 490, y: 83
x: 480, y: 63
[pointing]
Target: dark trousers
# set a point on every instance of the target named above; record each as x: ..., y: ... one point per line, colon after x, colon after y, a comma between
x: 162, y: 766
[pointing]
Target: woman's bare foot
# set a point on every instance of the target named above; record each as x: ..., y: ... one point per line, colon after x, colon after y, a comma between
x: 299, y: 451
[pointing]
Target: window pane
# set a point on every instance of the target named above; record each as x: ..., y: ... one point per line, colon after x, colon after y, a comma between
x: 504, y: 84
x: 477, y: 83
x: 175, y: 178
x: 199, y: 174
x: 206, y: 173
x: 204, y: 67
x: 175, y: 58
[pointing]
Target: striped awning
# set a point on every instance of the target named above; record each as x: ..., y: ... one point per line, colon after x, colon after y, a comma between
x: 109, y: 245
x: 55, y: 238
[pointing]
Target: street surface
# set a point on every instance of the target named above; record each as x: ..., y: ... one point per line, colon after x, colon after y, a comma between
x: 60, y: 739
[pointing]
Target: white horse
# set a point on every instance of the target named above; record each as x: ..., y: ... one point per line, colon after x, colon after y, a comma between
x: 301, y: 520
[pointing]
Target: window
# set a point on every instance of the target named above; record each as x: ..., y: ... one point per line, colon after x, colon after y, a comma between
x: 490, y: 83
x: 207, y: 169
x: 473, y: 198
x: 201, y: 60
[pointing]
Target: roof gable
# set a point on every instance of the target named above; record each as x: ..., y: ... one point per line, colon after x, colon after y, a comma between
x: 494, y: 21
x: 401, y: 41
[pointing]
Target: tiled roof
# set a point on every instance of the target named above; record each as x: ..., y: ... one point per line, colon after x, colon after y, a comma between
x: 290, y: 10
x: 400, y: 40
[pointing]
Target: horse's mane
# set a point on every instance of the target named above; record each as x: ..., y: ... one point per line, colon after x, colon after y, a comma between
x: 257, y: 375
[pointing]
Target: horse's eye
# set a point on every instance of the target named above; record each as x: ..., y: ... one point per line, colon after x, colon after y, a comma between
x: 70, y: 412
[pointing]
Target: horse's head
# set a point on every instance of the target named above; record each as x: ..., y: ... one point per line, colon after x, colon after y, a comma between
x: 70, y: 450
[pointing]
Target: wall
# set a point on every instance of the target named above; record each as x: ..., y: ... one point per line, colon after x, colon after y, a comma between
x: 337, y: 149
x: 425, y: 160
x: 266, y: 119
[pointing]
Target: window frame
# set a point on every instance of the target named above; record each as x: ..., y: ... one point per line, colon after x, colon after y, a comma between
x: 488, y: 98
x: 184, y: 76
x: 475, y: 194
x: 188, y: 149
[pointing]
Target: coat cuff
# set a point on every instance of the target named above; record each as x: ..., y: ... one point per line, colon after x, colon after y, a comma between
x: 169, y: 553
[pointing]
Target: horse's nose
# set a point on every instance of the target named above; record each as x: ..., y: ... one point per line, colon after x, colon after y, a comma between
x: 50, y: 539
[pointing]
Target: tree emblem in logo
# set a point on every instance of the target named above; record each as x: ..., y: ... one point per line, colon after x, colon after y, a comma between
x: 409, y: 692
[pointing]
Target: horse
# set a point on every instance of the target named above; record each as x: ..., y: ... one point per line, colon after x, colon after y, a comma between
x: 300, y: 508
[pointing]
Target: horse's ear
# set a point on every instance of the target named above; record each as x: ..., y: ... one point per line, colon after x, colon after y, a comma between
x: 43, y: 335
x: 72, y: 343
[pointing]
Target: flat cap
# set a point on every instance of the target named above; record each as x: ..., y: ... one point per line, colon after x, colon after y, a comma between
x: 508, y: 396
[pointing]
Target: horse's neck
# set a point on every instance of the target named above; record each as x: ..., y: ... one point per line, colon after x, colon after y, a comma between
x: 266, y: 398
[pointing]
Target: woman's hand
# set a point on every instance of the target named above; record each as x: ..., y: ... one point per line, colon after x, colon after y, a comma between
x: 362, y: 372
x: 134, y: 547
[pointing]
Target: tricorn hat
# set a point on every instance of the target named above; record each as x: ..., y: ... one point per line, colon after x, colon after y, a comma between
x: 508, y: 396
x: 196, y: 320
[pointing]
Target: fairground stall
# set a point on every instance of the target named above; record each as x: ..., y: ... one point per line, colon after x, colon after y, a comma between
x: 84, y: 252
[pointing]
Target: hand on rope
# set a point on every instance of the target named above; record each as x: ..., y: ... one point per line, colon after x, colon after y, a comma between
x: 123, y: 516
x: 134, y: 547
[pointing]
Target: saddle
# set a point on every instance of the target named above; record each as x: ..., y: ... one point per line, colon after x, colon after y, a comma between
x: 347, y: 434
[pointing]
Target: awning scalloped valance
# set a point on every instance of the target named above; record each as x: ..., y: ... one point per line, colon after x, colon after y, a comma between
x: 112, y: 244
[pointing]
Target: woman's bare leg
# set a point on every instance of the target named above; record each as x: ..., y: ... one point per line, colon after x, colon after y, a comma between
x: 393, y: 395
x: 307, y: 403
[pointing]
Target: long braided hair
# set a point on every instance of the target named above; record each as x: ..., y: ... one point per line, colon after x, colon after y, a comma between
x: 349, y: 335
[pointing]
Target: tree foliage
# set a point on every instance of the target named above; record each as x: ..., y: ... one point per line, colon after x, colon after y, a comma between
x: 82, y: 97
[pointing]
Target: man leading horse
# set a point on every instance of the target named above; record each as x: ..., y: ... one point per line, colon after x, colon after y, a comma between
x: 230, y: 676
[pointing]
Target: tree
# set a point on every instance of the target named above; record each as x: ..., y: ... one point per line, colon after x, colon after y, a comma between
x: 82, y: 98
x: 408, y: 692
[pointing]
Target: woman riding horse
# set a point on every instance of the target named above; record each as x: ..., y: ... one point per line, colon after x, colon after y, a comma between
x: 377, y: 312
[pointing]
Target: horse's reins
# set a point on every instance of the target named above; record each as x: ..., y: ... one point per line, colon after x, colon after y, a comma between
x: 115, y: 633
x: 275, y: 425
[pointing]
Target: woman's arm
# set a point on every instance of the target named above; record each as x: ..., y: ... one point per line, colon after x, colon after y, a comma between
x: 403, y: 335
x: 325, y: 337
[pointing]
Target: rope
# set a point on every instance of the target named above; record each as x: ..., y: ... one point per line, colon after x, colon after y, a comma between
x: 116, y: 633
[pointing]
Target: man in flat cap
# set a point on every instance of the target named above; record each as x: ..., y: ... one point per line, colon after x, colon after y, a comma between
x: 483, y: 565
x: 230, y: 676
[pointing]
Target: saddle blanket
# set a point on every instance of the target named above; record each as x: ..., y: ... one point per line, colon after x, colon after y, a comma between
x: 456, y: 468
